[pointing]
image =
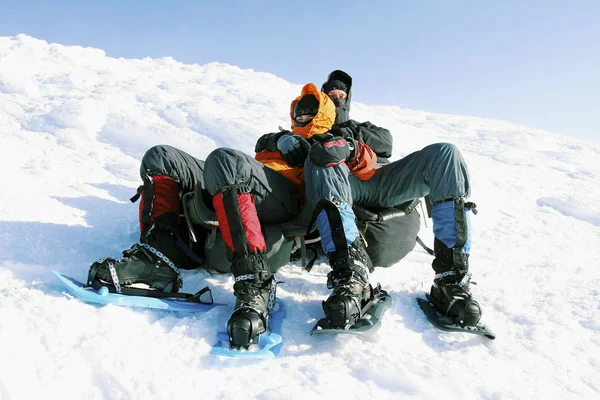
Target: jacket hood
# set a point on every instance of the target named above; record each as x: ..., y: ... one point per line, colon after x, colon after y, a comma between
x: 323, y: 120
x: 343, y: 111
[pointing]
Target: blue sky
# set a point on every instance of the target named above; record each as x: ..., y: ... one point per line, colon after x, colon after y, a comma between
x: 531, y: 62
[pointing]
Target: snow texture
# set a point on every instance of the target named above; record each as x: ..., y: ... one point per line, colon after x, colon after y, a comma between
x: 74, y: 125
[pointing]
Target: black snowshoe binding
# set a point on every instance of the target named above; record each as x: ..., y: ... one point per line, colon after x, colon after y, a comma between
x: 450, y: 305
x: 255, y: 298
x: 142, y: 266
x: 350, y: 283
x: 450, y: 292
x: 354, y: 304
x: 451, y: 296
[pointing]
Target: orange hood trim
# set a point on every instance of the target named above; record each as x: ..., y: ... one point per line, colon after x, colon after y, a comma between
x: 325, y: 118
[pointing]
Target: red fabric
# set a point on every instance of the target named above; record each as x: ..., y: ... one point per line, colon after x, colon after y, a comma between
x: 222, y: 218
x: 140, y: 213
x: 335, y: 143
x: 256, y: 240
x: 165, y: 194
x: 333, y: 164
x: 252, y: 230
x: 364, y: 163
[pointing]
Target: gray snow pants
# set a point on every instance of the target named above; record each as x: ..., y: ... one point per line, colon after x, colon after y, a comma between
x: 437, y: 170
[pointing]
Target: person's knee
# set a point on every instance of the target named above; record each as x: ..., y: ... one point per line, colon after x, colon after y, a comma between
x: 444, y: 148
x: 156, y: 159
x: 442, y: 152
x: 223, y: 167
x: 223, y: 159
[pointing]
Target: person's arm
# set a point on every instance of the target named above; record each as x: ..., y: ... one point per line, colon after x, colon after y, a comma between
x: 379, y: 139
x: 330, y: 150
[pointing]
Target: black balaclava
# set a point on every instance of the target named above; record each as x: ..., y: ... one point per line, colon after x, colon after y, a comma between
x: 338, y: 79
x: 307, y: 105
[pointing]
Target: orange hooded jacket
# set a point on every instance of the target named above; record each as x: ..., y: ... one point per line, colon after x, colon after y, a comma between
x: 363, y: 164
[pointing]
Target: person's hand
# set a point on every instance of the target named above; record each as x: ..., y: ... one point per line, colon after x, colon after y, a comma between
x: 331, y: 150
x: 293, y: 148
x: 269, y: 141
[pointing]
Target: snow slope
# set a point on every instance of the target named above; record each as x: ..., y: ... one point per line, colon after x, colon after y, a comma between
x: 74, y: 124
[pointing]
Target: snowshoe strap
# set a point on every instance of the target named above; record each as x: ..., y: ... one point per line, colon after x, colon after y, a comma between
x: 131, y: 291
x: 247, y: 277
x: 465, y: 279
x: 344, y: 277
x: 259, y: 276
x: 371, y: 301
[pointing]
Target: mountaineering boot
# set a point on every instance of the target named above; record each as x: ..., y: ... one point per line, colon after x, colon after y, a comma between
x: 143, y: 265
x: 156, y: 261
x: 255, y: 298
x: 450, y: 292
x: 349, y: 262
x: 349, y: 280
x: 254, y: 286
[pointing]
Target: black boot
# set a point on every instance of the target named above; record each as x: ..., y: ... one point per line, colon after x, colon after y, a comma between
x: 350, y: 283
x: 152, y: 264
x: 450, y: 292
x: 141, y: 265
x: 254, y: 290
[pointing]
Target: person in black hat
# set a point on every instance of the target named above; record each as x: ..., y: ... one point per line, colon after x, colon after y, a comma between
x: 338, y: 87
x: 437, y: 171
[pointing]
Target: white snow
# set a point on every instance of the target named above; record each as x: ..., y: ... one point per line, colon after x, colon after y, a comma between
x: 74, y: 124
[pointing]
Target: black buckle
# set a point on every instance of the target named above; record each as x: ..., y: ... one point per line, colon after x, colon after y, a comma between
x: 262, y: 276
x: 137, y: 195
x: 471, y: 206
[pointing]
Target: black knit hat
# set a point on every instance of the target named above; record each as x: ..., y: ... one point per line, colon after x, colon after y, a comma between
x: 306, y: 105
x: 334, y: 84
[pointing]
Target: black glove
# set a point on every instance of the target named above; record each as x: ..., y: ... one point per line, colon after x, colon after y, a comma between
x: 293, y: 148
x: 269, y: 141
x: 331, y: 150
